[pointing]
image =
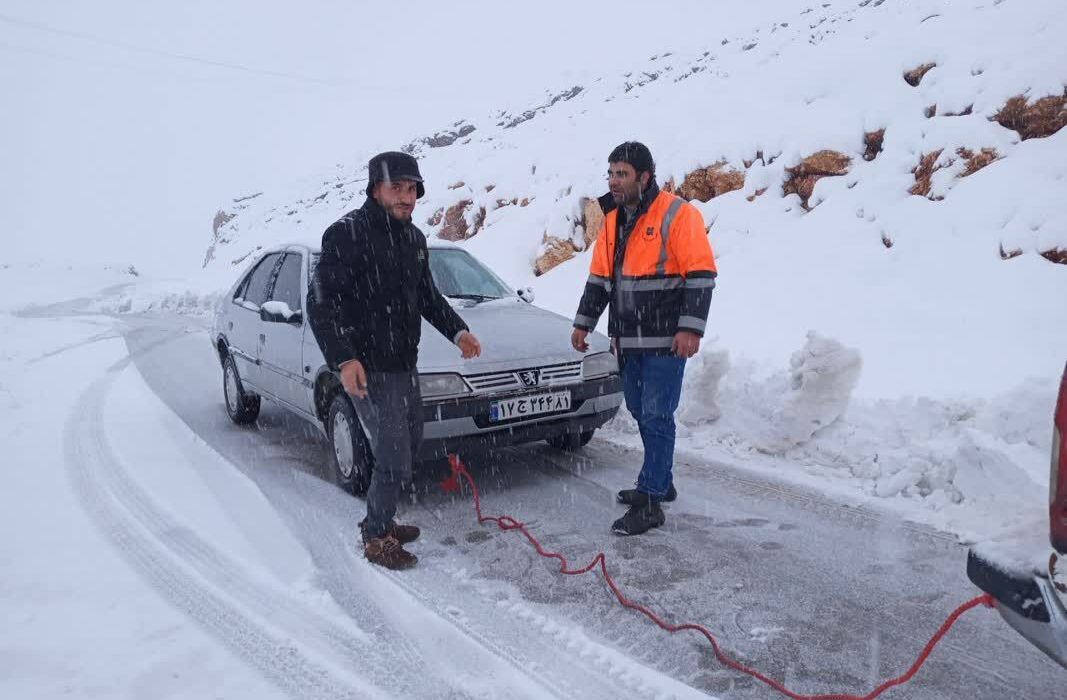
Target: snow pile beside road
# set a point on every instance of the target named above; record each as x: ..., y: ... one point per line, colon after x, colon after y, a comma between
x: 822, y: 376
x: 700, y: 393
x: 157, y: 297
x: 43, y: 283
x: 785, y: 410
x: 970, y: 466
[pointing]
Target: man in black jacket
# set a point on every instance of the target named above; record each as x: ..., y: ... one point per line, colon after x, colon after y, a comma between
x: 372, y: 287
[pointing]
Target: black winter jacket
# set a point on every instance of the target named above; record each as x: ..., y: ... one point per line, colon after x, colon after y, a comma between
x: 370, y: 290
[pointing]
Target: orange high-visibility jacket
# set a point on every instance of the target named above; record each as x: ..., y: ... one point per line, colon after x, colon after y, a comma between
x: 657, y: 276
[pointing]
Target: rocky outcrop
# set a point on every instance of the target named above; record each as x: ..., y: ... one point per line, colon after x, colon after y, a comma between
x: 1041, y: 118
x: 1056, y: 255
x: 976, y: 161
x: 219, y: 225
x: 914, y: 76
x: 456, y: 225
x: 553, y: 252
x: 872, y: 141
x: 924, y: 173
x: 931, y: 162
x: 801, y: 179
x: 704, y: 184
x: 592, y: 218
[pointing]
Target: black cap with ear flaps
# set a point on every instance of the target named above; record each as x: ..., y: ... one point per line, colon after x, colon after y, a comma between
x: 394, y: 165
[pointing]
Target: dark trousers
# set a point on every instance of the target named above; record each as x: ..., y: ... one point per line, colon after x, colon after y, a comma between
x: 652, y: 385
x: 391, y: 417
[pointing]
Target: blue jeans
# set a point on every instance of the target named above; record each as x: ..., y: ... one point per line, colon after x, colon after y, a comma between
x: 652, y: 385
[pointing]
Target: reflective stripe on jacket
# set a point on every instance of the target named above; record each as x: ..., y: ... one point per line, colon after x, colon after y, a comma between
x: 657, y: 276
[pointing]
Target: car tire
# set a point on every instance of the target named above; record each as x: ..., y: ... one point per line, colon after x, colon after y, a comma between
x: 241, y: 406
x: 350, y: 451
x: 571, y: 441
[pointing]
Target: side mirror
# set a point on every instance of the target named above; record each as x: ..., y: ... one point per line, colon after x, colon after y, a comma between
x: 279, y: 312
x: 526, y: 294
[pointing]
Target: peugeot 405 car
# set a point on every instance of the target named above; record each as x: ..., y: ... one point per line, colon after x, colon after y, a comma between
x: 529, y: 383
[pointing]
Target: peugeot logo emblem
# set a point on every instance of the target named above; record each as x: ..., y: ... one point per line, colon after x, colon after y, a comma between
x: 530, y: 377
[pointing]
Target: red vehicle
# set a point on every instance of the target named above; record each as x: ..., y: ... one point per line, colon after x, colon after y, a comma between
x: 1035, y: 603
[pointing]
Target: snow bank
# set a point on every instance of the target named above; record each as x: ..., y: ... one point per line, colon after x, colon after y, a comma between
x: 972, y: 467
x: 822, y: 376
x: 40, y: 284
x: 145, y: 299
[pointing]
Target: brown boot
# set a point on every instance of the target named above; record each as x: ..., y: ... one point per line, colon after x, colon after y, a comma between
x: 388, y: 552
x: 405, y: 534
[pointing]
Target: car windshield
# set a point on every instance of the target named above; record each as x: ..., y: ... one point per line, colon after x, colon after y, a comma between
x: 459, y: 276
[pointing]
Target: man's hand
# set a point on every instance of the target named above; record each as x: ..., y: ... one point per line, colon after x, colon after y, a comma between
x: 686, y: 344
x: 354, y: 378
x: 578, y: 339
x: 468, y: 345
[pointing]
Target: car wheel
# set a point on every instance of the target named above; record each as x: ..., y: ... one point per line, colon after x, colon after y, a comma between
x: 352, y: 459
x: 241, y: 406
x: 571, y: 441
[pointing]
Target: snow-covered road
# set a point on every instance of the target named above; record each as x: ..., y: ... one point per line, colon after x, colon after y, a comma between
x: 253, y: 555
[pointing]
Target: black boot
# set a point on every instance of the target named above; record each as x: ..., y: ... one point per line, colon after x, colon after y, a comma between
x: 633, y: 496
x: 641, y: 517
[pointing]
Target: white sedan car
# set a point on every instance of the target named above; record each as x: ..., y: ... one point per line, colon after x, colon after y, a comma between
x: 529, y: 383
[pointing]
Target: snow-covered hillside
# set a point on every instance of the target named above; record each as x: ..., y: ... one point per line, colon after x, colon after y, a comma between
x: 913, y: 281
x: 872, y: 212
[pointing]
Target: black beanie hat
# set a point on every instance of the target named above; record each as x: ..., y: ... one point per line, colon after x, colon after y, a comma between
x: 394, y: 165
x: 636, y: 154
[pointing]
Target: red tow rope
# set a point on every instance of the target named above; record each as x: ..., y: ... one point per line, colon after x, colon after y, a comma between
x: 506, y: 522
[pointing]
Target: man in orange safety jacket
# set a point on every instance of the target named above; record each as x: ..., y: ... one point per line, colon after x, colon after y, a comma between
x: 653, y: 267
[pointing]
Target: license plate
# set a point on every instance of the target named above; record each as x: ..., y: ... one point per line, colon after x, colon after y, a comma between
x: 526, y: 406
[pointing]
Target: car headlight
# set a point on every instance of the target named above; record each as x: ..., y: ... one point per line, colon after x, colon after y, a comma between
x: 438, y: 385
x: 599, y: 365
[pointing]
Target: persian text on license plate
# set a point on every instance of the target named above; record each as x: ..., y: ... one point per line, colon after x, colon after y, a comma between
x: 525, y: 406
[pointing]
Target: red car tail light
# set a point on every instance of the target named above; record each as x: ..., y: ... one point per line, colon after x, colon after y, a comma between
x: 1057, y: 509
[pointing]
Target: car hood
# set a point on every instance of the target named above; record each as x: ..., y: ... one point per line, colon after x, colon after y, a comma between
x: 513, y: 334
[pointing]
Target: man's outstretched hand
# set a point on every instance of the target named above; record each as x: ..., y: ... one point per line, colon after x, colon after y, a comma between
x: 578, y: 339
x: 354, y: 378
x: 686, y: 344
x: 468, y: 345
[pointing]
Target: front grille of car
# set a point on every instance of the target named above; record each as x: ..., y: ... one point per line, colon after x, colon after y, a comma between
x: 510, y: 381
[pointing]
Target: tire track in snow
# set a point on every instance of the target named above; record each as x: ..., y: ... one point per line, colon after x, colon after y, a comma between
x: 993, y: 667
x: 572, y: 663
x: 337, y: 564
x: 342, y: 574
x: 406, y: 655
x: 161, y: 549
x: 580, y: 662
x: 762, y: 489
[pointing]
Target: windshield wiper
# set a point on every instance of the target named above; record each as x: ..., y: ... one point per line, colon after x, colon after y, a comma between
x: 472, y: 297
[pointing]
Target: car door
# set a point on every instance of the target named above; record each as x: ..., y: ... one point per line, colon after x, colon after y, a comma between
x: 282, y: 333
x: 244, y: 328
